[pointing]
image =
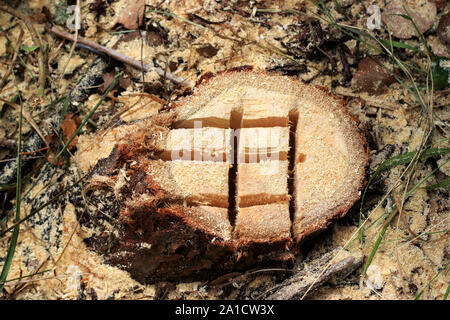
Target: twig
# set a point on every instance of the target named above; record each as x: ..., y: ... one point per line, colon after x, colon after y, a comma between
x: 121, y: 57
x: 42, y: 57
x: 367, y: 99
x: 298, y: 286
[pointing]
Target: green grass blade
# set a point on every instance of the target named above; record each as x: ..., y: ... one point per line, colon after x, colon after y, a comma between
x: 63, y: 113
x: 16, y: 227
x: 58, y: 155
x: 442, y: 184
x: 173, y: 15
x: 402, y: 159
x: 83, y: 123
x: 376, y: 245
x: 407, y: 157
x: 394, y: 207
x: 33, y: 212
x: 27, y: 276
x: 447, y: 292
x: 397, y: 44
x: 420, y: 34
x: 85, y: 120
x: 24, y: 64
x: 15, y: 234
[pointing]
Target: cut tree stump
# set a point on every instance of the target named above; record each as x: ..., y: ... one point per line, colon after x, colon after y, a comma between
x: 250, y: 164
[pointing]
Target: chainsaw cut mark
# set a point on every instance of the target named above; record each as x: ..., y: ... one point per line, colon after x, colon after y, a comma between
x: 293, y: 121
x: 306, y: 144
x: 236, y: 123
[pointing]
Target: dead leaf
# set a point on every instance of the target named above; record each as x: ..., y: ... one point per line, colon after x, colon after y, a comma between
x: 69, y: 126
x: 207, y: 51
x: 52, y: 141
x: 108, y: 79
x: 421, y: 11
x: 125, y: 82
x: 132, y: 15
x: 38, y: 18
x: 371, y: 77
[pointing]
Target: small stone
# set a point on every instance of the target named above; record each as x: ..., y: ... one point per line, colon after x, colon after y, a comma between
x: 443, y: 29
x: 439, y: 47
x: 374, y: 280
x: 422, y: 12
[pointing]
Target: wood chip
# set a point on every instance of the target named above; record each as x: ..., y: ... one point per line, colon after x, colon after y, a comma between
x: 207, y: 51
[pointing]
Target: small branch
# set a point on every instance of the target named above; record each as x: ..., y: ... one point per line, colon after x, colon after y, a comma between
x: 42, y: 57
x: 120, y: 57
x: 374, y: 102
x: 315, y: 274
x: 298, y: 288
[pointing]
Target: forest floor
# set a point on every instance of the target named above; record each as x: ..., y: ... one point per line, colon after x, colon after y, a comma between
x: 396, y: 84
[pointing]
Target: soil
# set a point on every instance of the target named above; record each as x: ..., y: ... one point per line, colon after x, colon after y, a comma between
x: 191, y: 39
